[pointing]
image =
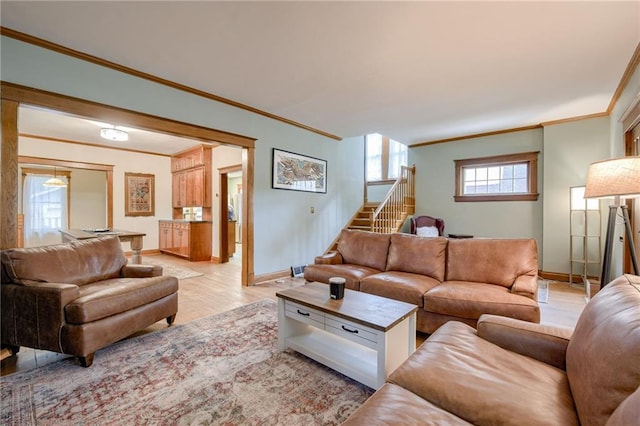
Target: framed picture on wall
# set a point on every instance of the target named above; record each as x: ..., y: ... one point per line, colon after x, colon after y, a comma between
x: 139, y: 194
x: 298, y: 172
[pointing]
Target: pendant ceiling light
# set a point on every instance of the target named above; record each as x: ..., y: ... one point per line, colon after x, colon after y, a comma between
x: 114, y: 134
x: 55, y: 181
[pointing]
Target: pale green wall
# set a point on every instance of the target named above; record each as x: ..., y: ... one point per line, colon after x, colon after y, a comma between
x: 285, y: 232
x: 569, y: 148
x: 435, y: 188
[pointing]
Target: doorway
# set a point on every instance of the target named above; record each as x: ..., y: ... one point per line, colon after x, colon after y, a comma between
x: 88, y: 198
x: 231, y: 213
x: 14, y: 95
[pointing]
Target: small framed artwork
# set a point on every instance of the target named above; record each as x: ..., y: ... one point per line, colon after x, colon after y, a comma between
x: 139, y: 194
x: 298, y: 172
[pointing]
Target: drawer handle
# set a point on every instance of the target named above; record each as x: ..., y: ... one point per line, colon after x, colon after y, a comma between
x: 306, y: 314
x: 350, y: 331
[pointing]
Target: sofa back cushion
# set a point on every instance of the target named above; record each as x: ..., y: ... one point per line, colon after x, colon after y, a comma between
x: 364, y: 248
x: 603, y: 354
x: 491, y: 261
x: 418, y: 255
x: 77, y: 262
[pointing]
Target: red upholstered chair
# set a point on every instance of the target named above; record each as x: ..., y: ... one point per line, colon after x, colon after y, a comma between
x: 420, y: 221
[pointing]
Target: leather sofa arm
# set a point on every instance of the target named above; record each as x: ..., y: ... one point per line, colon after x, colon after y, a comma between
x: 526, y: 285
x: 33, y: 314
x: 542, y: 342
x: 331, y: 258
x: 141, y: 271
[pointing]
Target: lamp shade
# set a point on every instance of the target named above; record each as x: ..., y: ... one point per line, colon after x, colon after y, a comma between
x: 54, y: 182
x: 615, y: 177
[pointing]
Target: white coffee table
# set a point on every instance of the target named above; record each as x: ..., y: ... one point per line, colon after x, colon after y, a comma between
x: 362, y: 336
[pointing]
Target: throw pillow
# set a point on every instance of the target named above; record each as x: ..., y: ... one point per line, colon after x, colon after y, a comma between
x: 427, y: 231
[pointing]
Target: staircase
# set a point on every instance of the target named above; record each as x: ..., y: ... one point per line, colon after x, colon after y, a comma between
x: 390, y: 214
x: 362, y: 219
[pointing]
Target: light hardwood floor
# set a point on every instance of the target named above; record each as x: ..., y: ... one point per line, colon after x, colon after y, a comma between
x: 219, y: 290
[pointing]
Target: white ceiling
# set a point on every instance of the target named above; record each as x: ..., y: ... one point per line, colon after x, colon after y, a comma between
x: 415, y: 71
x: 50, y: 124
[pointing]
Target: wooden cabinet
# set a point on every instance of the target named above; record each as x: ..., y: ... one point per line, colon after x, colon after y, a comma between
x: 179, y: 190
x: 231, y: 238
x: 189, y: 239
x: 181, y: 239
x: 166, y: 235
x: 191, y: 172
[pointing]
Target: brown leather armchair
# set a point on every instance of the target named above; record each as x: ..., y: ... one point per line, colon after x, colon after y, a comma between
x: 510, y: 372
x: 420, y: 221
x: 78, y: 297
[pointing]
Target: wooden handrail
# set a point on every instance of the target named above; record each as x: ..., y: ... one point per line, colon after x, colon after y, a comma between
x: 399, y: 200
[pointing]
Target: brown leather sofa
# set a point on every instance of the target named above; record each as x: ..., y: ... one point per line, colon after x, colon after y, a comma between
x: 449, y: 279
x: 78, y: 297
x: 510, y: 372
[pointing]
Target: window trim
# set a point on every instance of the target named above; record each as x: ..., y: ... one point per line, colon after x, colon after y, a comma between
x: 499, y: 160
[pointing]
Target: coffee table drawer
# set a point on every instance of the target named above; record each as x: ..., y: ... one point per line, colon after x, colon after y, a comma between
x: 304, y: 314
x: 352, y: 331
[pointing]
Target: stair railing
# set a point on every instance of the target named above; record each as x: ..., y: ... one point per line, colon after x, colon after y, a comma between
x: 399, y: 201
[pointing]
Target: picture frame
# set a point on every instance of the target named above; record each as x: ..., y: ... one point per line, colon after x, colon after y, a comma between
x: 297, y: 172
x: 139, y: 194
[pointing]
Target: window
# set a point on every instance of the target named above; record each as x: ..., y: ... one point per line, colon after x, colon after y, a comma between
x: 385, y: 158
x: 45, y: 209
x: 501, y: 178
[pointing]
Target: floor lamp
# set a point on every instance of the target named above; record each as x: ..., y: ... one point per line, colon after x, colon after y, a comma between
x: 618, y: 178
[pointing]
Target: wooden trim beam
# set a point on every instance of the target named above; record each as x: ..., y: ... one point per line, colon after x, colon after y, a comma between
x: 248, y: 170
x: 9, y: 175
x: 85, y: 108
x: 25, y: 159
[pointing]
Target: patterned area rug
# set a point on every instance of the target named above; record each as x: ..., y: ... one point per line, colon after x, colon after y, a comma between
x: 167, y: 269
x: 224, y: 369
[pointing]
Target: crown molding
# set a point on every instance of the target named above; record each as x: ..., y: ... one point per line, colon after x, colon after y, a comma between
x: 45, y: 44
x: 476, y: 135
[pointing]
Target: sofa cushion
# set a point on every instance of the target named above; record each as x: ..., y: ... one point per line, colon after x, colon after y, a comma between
x: 492, y: 261
x: 419, y: 255
x: 472, y: 299
x: 76, y: 262
x: 484, y: 384
x: 351, y: 273
x: 110, y: 297
x: 402, y: 286
x: 364, y: 248
x: 604, y: 352
x: 393, y: 405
